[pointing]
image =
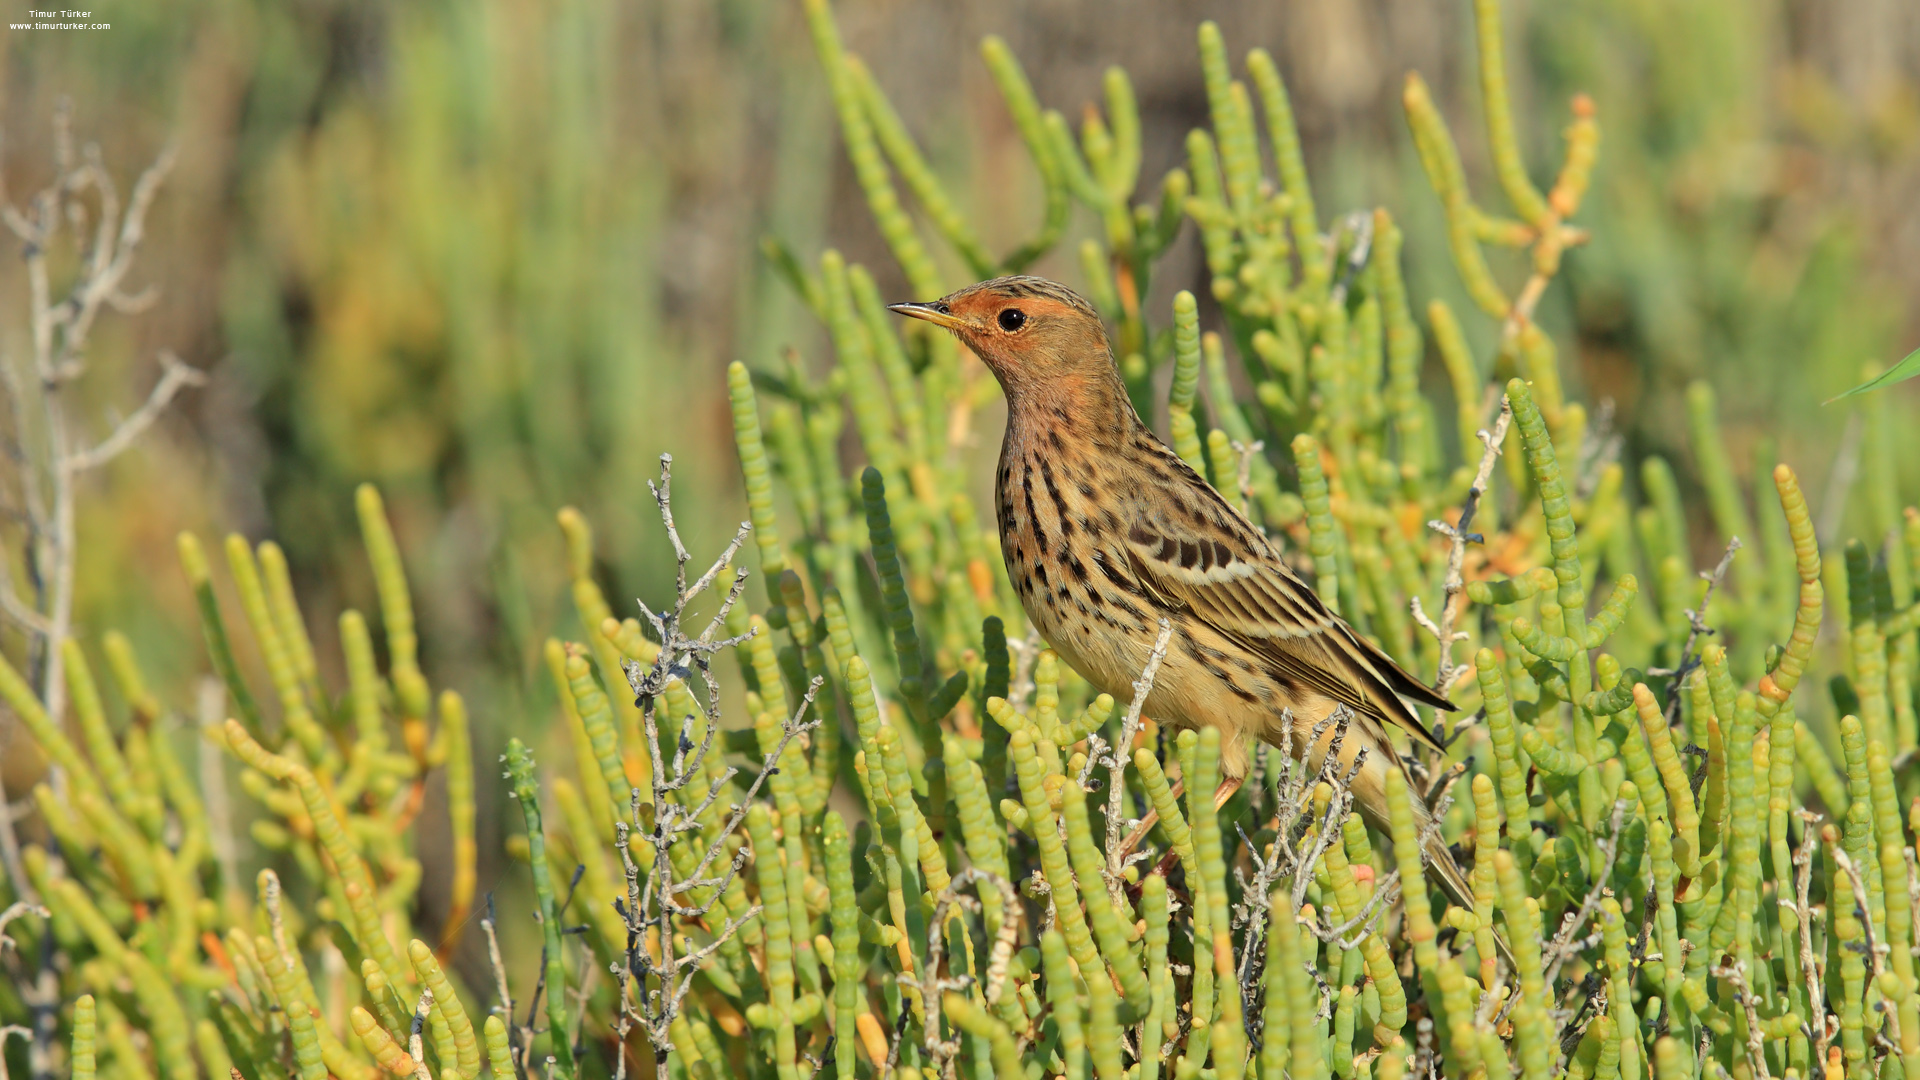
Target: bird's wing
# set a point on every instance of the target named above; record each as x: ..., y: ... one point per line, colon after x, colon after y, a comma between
x: 1188, y: 553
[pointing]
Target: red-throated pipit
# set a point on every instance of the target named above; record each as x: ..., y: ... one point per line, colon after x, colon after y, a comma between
x: 1106, y: 532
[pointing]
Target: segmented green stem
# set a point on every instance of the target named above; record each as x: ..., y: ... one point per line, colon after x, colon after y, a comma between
x: 526, y: 790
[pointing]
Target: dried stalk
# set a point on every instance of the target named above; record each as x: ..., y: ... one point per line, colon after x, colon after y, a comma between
x: 1116, y: 759
x: 1459, y: 536
x: 1822, y: 1033
x: 1876, y: 951
x: 654, y: 897
x: 1736, y: 975
x: 83, y: 205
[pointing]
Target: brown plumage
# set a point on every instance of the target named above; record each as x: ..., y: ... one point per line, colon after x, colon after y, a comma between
x: 1106, y: 531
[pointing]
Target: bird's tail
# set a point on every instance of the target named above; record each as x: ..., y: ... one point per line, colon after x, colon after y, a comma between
x: 1370, y: 793
x: 1452, y: 879
x: 1459, y: 890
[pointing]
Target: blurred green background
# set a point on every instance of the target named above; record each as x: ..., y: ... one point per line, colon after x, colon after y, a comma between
x: 493, y: 255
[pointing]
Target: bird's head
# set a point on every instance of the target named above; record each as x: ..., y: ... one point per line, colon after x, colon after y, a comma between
x: 1029, y: 331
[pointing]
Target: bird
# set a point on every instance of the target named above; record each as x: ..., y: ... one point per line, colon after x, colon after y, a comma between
x: 1106, y: 532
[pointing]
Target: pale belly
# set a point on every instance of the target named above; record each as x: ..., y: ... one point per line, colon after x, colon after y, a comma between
x: 1202, y: 682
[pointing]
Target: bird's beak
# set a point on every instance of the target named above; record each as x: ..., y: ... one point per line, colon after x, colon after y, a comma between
x: 935, y: 313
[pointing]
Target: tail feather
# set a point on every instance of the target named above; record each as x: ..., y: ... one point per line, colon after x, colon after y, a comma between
x: 1452, y: 879
x: 1370, y: 793
x: 1459, y: 890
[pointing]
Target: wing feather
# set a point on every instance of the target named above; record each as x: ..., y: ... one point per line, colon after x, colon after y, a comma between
x: 1254, y: 599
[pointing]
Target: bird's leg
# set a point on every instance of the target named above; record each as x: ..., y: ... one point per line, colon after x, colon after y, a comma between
x: 1220, y: 797
x: 1167, y: 863
x: 1140, y: 831
x: 1226, y: 790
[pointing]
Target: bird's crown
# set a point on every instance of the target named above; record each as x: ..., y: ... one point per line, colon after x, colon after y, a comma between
x: 1027, y: 287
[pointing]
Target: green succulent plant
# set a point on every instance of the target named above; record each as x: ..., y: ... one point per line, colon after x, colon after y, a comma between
x: 910, y: 856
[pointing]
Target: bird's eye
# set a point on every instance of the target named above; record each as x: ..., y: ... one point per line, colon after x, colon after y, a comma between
x: 1012, y: 319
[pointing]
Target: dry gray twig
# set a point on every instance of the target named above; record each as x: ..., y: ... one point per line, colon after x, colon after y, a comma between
x: 18, y: 909
x: 61, y: 321
x: 1116, y: 760
x: 1822, y: 1035
x: 1876, y: 951
x: 654, y: 986
x: 78, y: 226
x: 1697, y: 629
x: 1736, y: 975
x: 11, y: 1030
x: 932, y: 986
x: 1563, y: 947
x: 1459, y: 535
x: 415, y: 1045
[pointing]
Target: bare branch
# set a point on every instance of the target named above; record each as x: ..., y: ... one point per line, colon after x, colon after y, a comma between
x: 83, y: 201
x: 1378, y: 903
x: 414, y: 1043
x: 932, y: 986
x: 1876, y: 950
x: 16, y: 609
x: 11, y: 1030
x: 112, y: 258
x: 1563, y: 947
x: 1338, y: 807
x: 1459, y: 534
x: 660, y: 961
x: 1697, y: 628
x: 1803, y: 874
x: 1697, y: 619
x: 175, y: 376
x: 1116, y: 761
x: 1736, y: 974
x: 19, y: 909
